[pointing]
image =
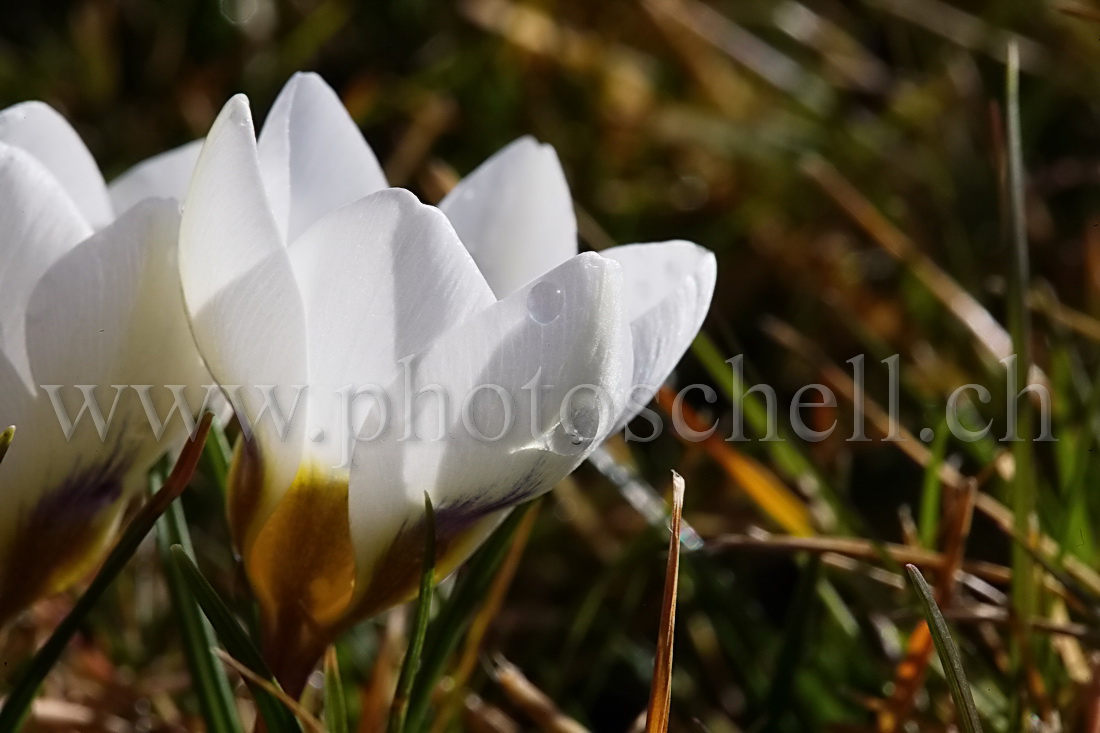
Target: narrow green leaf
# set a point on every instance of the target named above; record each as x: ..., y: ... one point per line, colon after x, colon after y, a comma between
x: 208, y: 677
x: 236, y: 642
x: 1023, y: 489
x: 5, y: 440
x: 336, y: 709
x: 26, y: 686
x: 932, y: 491
x: 949, y: 655
x: 409, y: 666
x: 218, y: 454
x: 455, y: 616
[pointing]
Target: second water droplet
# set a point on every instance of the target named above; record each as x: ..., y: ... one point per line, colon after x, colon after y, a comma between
x: 545, y: 302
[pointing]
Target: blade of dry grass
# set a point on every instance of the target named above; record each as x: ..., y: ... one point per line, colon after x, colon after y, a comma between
x: 767, y: 62
x: 304, y: 717
x: 660, y: 690
x: 534, y: 703
x: 376, y: 694
x: 860, y: 549
x: 968, y: 31
x: 842, y: 382
x: 1078, y: 10
x: 990, y: 334
x: 1091, y: 702
x: 481, y: 717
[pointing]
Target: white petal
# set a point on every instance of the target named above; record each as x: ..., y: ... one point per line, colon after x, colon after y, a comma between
x: 41, y: 131
x: 515, y: 215
x: 539, y: 344
x: 95, y: 316
x: 668, y: 291
x: 246, y: 311
x: 313, y: 157
x: 38, y: 224
x: 381, y: 278
x: 109, y: 312
x: 163, y: 176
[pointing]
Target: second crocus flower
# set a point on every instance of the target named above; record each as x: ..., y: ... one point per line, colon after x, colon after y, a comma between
x: 477, y: 367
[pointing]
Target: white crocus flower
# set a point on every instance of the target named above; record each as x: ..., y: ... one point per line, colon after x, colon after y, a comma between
x: 85, y: 299
x: 481, y: 387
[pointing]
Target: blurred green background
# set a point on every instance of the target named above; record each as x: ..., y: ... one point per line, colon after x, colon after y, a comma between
x: 845, y: 162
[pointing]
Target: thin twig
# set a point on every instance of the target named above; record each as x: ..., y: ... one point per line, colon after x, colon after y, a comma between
x: 274, y: 690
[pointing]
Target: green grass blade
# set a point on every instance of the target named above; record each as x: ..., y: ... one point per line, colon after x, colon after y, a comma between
x: 1023, y: 591
x: 336, y: 708
x: 5, y: 440
x: 208, y: 677
x: 949, y: 655
x: 932, y: 491
x: 400, y: 708
x: 453, y: 619
x: 26, y: 686
x: 236, y: 642
x: 218, y: 455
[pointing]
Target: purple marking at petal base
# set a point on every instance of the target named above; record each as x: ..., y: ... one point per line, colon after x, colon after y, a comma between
x: 83, y: 494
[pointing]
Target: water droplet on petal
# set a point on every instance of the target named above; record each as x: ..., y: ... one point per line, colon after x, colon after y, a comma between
x: 581, y: 427
x: 317, y: 435
x: 545, y: 302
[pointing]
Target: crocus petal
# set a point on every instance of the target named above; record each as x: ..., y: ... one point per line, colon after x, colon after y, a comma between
x: 95, y: 314
x: 38, y: 224
x: 515, y: 215
x: 313, y: 157
x: 41, y: 131
x: 162, y: 176
x: 90, y: 321
x: 669, y: 286
x: 536, y: 346
x: 246, y: 312
x: 59, y: 503
x: 381, y: 278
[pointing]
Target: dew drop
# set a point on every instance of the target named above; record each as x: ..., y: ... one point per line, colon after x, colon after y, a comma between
x: 545, y: 303
x: 317, y: 435
x: 582, y: 426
